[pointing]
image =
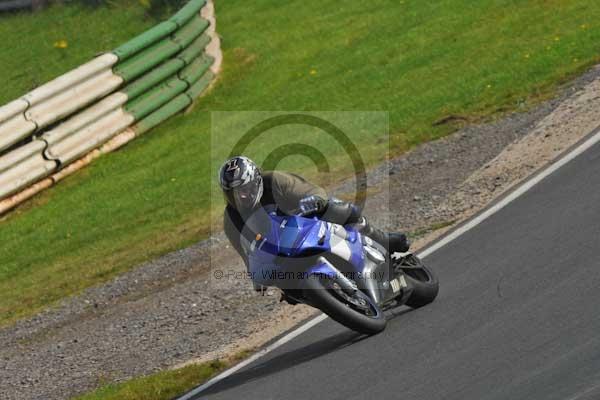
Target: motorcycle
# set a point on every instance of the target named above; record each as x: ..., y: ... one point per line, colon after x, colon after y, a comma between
x: 336, y: 269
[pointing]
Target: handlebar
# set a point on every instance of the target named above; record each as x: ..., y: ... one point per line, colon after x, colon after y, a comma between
x: 305, y: 214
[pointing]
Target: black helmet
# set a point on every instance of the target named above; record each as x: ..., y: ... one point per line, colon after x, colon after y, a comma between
x: 241, y: 182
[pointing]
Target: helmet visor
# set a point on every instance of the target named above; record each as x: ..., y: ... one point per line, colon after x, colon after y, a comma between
x: 247, y: 196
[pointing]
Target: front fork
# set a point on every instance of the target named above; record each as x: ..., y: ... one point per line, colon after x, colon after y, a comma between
x: 379, y: 280
x: 322, y: 268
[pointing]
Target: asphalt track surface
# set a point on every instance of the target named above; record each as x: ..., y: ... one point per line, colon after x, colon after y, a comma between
x: 518, y: 316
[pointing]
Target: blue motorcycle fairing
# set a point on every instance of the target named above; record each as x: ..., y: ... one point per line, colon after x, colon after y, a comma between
x: 321, y: 269
x: 293, y: 236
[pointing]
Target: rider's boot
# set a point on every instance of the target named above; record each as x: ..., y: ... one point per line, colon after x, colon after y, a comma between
x: 394, y: 242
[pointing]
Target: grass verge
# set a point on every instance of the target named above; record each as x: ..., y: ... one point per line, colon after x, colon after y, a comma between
x: 164, y: 385
x: 433, y: 65
x: 36, y: 48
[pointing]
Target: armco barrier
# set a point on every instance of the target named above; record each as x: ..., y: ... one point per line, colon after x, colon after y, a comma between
x: 65, y: 124
x: 13, y: 5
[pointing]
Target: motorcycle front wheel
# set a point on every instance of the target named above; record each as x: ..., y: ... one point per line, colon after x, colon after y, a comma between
x: 356, y: 310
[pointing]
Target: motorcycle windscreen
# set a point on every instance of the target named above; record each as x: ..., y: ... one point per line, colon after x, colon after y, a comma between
x: 288, y: 236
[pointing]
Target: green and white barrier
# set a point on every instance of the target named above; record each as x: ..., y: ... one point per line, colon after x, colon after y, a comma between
x: 101, y: 105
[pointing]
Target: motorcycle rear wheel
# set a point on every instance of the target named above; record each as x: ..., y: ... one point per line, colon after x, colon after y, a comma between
x: 424, y: 282
x: 325, y: 297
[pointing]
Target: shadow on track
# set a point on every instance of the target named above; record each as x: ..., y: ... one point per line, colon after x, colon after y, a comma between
x: 293, y: 358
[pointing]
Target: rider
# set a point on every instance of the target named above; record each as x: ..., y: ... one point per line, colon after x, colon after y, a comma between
x: 247, y: 189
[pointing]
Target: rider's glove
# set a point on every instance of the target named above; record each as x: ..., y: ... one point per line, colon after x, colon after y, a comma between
x: 313, y: 205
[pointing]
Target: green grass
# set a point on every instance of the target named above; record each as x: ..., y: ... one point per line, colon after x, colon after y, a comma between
x: 421, y: 61
x: 31, y: 48
x: 164, y: 385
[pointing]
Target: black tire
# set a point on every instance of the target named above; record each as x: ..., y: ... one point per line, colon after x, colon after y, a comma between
x: 425, y: 285
x: 316, y: 290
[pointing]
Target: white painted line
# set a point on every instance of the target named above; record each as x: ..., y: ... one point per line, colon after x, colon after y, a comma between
x: 300, y: 330
x: 468, y: 226
x: 513, y: 195
x: 585, y: 392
